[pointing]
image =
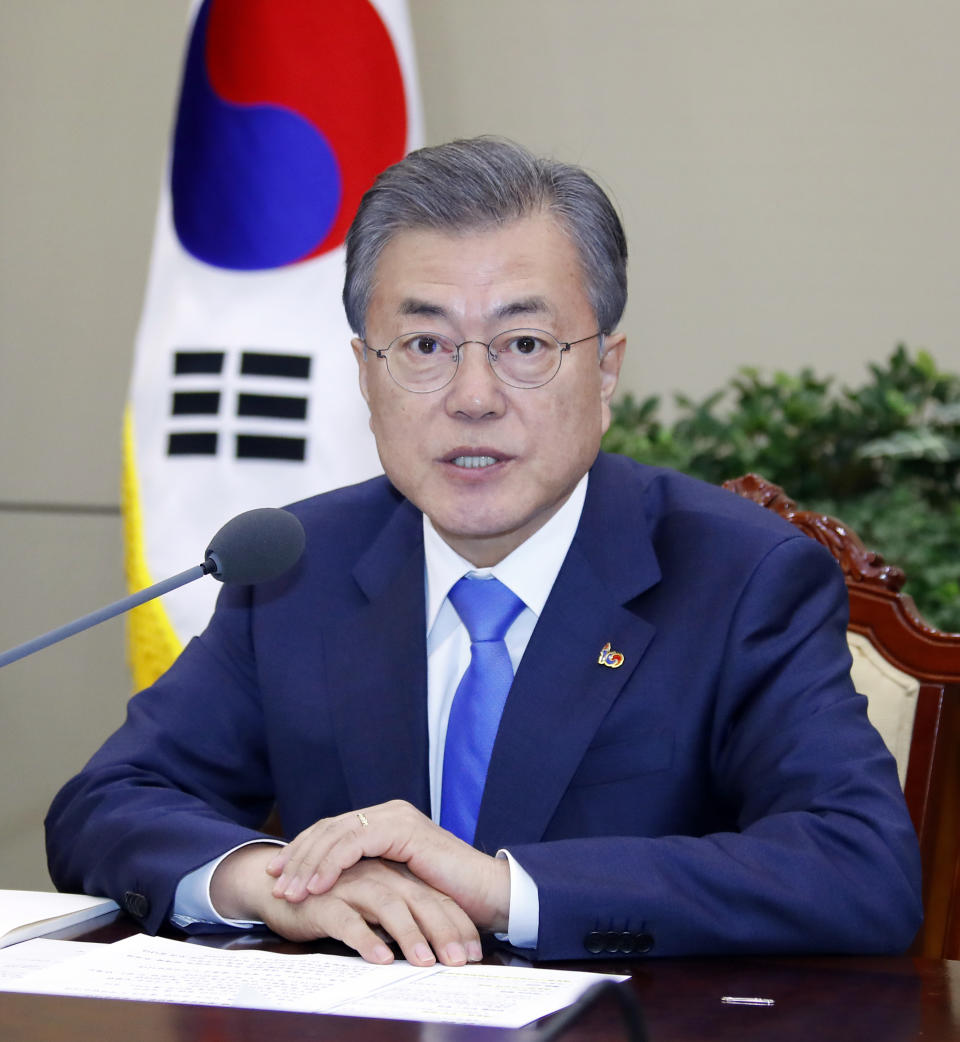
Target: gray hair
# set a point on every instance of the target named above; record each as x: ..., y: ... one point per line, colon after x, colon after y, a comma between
x: 476, y: 183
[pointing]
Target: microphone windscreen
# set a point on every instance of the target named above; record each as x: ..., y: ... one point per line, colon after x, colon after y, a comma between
x: 256, y: 545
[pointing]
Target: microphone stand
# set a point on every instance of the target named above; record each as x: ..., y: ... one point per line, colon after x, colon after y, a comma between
x: 117, y: 608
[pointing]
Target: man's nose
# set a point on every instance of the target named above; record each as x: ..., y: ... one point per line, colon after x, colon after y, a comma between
x: 475, y: 391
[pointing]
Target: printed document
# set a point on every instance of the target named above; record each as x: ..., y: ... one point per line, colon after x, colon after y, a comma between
x: 156, y: 969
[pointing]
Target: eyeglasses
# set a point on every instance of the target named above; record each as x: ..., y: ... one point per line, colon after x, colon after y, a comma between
x: 525, y: 358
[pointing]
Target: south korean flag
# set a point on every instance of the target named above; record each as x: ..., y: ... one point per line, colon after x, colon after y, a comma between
x: 244, y: 389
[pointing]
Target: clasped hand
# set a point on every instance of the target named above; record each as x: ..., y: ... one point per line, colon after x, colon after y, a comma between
x: 384, y: 869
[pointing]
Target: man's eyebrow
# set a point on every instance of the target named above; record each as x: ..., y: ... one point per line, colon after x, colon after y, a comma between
x: 524, y: 306
x: 422, y: 308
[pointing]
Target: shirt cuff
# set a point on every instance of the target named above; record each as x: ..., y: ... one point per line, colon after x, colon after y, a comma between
x: 523, y: 924
x: 192, y: 903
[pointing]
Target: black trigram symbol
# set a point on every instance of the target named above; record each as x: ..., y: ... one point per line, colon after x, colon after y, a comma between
x: 250, y: 404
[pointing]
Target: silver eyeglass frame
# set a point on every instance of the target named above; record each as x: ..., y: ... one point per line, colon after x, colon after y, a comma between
x: 564, y: 345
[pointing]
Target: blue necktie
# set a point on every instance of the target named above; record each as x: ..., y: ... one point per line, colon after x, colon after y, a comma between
x: 487, y: 608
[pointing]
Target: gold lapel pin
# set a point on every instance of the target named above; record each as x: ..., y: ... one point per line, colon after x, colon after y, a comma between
x: 613, y: 659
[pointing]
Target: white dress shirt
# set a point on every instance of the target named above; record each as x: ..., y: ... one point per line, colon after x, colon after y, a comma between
x: 530, y: 572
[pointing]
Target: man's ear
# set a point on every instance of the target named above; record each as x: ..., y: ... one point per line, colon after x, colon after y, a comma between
x: 614, y: 346
x: 360, y: 353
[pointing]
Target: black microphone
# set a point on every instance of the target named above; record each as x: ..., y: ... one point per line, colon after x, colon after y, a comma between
x: 254, y: 546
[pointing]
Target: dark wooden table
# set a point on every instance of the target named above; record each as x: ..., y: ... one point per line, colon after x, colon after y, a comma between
x: 817, y: 999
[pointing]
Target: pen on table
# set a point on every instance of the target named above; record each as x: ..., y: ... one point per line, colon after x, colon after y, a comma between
x: 744, y: 1000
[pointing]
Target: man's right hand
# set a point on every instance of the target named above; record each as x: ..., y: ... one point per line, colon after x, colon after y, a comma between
x: 369, y: 899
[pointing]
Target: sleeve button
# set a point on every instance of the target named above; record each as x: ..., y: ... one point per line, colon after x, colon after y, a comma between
x: 137, y: 905
x: 594, y: 942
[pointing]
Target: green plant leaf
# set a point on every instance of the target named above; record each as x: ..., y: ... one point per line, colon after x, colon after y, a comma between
x: 884, y: 456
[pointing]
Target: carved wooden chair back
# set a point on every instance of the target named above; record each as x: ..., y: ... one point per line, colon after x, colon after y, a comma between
x: 910, y: 673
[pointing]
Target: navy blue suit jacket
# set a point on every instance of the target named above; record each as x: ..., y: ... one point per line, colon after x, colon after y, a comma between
x: 721, y: 791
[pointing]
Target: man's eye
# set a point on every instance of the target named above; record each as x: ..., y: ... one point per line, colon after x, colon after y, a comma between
x: 421, y: 345
x: 525, y: 345
x: 425, y: 345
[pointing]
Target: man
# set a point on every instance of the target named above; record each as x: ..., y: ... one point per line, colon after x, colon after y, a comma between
x: 680, y: 763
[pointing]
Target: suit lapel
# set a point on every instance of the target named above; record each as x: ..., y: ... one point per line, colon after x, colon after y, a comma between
x: 561, y: 691
x: 378, y: 673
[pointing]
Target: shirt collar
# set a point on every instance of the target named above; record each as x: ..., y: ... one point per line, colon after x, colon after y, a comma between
x: 529, y: 571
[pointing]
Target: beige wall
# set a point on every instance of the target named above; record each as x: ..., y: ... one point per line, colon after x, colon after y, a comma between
x: 787, y: 171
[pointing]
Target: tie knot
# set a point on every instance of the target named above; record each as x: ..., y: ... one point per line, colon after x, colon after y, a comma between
x: 486, y: 607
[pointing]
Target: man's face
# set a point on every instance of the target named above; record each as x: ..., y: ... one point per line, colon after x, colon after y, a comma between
x: 472, y: 286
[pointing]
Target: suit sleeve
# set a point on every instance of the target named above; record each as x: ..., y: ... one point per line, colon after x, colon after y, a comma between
x: 185, y: 778
x: 821, y: 854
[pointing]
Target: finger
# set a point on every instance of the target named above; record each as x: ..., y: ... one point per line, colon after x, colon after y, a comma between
x: 281, y: 858
x: 346, y: 923
x: 360, y: 902
x: 275, y: 867
x: 315, y: 835
x: 310, y: 836
x: 292, y: 866
x: 332, y: 917
x: 317, y: 858
x: 424, y: 922
x: 447, y: 928
x: 395, y: 917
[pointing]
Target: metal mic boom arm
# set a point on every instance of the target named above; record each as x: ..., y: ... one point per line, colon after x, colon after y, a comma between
x: 117, y: 608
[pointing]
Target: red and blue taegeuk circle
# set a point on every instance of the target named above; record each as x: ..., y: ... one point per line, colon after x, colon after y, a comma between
x: 288, y: 111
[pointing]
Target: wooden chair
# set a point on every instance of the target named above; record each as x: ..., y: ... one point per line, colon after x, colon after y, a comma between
x: 910, y: 673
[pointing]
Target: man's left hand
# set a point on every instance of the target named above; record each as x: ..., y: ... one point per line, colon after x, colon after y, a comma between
x: 396, y: 831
